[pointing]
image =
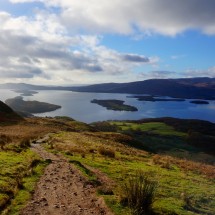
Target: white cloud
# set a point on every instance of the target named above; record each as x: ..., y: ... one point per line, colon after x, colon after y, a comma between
x: 48, y: 47
x: 40, y: 49
x: 165, y: 17
x: 200, y: 73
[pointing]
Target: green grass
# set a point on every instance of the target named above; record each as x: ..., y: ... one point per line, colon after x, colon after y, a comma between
x: 158, y: 128
x: 175, y: 183
x: 158, y: 137
x: 24, y: 194
x: 184, y: 187
x: 172, y: 183
x: 17, y: 178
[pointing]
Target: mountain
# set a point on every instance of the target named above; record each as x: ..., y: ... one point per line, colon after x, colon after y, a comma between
x: 188, y: 88
x: 23, y: 86
x: 198, y: 88
x: 199, y: 82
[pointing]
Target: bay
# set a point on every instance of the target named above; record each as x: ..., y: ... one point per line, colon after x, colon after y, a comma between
x: 78, y: 106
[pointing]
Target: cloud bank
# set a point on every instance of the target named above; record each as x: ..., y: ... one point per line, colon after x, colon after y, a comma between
x: 39, y: 48
x: 165, y: 17
x: 61, y: 43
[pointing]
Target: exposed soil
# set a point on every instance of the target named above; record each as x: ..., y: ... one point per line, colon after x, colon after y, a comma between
x: 62, y: 190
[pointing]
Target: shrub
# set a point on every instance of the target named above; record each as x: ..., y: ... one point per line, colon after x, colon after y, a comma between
x: 162, y: 161
x: 107, y: 152
x: 25, y: 143
x: 4, y: 140
x: 139, y: 194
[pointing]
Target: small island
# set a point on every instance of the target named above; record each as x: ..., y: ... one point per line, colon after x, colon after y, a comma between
x: 153, y: 99
x: 114, y: 104
x: 18, y: 104
x: 199, y: 102
x: 26, y: 92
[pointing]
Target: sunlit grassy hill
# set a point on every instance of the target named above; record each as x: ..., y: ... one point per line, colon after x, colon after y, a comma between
x: 109, y: 154
x: 185, y: 173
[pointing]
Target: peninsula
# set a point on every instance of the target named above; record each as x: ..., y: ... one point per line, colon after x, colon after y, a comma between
x: 18, y: 104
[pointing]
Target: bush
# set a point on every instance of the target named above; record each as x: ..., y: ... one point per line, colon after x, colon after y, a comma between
x: 25, y: 143
x: 4, y: 140
x: 162, y: 161
x: 107, y: 152
x: 139, y: 194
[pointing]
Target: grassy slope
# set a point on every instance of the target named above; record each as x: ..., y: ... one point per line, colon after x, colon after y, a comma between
x: 20, y: 167
x: 159, y: 137
x: 18, y: 178
x: 185, y: 186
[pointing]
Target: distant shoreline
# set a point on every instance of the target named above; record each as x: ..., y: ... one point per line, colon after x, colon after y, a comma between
x: 153, y: 99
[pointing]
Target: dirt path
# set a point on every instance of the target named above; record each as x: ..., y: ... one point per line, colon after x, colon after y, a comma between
x: 62, y: 190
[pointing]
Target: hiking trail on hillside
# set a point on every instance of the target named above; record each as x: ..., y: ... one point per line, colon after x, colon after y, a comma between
x: 62, y: 190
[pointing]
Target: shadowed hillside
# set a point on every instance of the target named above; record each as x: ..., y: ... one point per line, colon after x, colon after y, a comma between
x: 7, y: 114
x: 162, y: 87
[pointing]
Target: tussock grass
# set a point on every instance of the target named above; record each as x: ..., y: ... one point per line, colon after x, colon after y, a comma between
x: 168, y: 162
x: 139, y: 193
x: 4, y: 139
x: 107, y: 152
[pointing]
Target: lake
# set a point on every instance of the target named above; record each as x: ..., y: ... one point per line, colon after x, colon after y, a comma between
x: 78, y: 106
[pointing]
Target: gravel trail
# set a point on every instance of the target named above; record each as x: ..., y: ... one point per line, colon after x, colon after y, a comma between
x: 62, y: 190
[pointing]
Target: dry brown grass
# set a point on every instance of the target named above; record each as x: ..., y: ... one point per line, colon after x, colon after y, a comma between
x: 31, y: 128
x: 107, y: 152
x: 186, y: 165
x: 91, y: 142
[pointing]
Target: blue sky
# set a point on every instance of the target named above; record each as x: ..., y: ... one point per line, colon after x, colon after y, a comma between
x: 91, y: 41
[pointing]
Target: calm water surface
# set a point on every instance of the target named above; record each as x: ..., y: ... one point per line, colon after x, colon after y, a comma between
x: 78, y: 106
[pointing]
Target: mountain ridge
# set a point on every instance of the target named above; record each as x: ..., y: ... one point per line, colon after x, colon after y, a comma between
x: 188, y: 88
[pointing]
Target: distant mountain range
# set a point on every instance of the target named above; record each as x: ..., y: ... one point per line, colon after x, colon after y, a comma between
x: 188, y: 88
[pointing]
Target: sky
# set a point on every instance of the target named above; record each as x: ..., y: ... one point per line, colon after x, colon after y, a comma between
x: 70, y: 42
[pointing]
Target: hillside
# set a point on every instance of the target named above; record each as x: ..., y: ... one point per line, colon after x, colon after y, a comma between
x: 199, y: 82
x: 179, y: 88
x: 187, y: 88
x: 7, y: 114
x: 77, y: 166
